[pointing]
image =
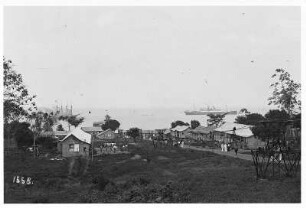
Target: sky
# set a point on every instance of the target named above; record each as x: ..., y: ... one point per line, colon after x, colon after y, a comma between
x: 147, y: 57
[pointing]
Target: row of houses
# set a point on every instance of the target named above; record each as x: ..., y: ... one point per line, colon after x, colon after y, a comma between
x: 226, y: 133
x: 79, y: 141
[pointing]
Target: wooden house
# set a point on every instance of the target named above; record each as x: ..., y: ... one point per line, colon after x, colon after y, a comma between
x: 76, y: 143
x: 237, y: 133
x: 180, y: 132
x: 202, y: 133
x: 106, y: 135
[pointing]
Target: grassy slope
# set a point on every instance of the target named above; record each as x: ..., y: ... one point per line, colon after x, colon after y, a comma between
x: 208, y: 177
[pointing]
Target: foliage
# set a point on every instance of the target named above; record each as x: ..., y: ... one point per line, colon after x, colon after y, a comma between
x: 17, y: 100
x: 297, y: 120
x: 107, y: 117
x: 73, y: 120
x: 215, y: 119
x: 60, y: 128
x: 100, y: 181
x: 46, y: 142
x: 139, y: 189
x: 250, y: 119
x: 111, y: 124
x: 272, y: 127
x: 20, y: 131
x: 194, y: 124
x: 244, y: 111
x: 133, y: 132
x: 179, y: 123
x: 42, y: 121
x: 286, y: 92
x: 278, y: 115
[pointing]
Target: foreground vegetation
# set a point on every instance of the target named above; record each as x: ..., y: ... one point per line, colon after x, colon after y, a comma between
x: 160, y: 175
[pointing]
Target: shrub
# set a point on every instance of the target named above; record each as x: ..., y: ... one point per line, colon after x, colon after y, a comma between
x: 101, y: 182
x: 46, y: 142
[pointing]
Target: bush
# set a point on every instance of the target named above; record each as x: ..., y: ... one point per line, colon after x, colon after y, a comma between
x: 46, y: 142
x: 100, y: 182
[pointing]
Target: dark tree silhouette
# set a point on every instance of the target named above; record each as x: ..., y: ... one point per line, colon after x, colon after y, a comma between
x: 17, y: 102
x: 111, y: 124
x: 250, y: 119
x: 194, y: 124
x: 178, y: 123
x: 215, y: 119
x: 134, y: 133
x: 286, y: 92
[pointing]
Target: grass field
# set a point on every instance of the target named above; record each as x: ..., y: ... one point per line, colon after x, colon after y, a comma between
x: 166, y: 175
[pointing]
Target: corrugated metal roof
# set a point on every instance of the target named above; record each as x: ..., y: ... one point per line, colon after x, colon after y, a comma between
x: 180, y: 128
x: 241, y: 129
x: 203, y: 129
x: 79, y: 134
x: 105, y: 131
x: 54, y: 133
x: 167, y: 131
x: 92, y: 129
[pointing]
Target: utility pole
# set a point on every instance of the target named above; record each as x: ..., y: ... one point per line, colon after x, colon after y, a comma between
x: 92, y: 145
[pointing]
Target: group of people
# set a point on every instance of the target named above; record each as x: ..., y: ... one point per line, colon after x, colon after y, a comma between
x: 225, y: 147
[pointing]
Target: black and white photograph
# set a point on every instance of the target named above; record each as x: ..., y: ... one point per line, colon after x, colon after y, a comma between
x: 152, y: 104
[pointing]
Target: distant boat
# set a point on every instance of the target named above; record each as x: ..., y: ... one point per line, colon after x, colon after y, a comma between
x: 146, y: 114
x: 208, y: 110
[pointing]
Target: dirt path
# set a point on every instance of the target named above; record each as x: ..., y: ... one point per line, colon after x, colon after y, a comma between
x: 218, y: 151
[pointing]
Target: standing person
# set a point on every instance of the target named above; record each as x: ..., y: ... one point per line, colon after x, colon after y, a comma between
x: 236, y: 148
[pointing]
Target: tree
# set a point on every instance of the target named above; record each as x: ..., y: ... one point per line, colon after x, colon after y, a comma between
x: 17, y: 100
x: 107, y: 117
x: 194, y: 124
x: 42, y: 121
x: 73, y: 120
x: 244, y: 111
x: 286, y: 92
x: 250, y: 119
x: 280, y: 115
x: 215, y: 119
x: 60, y: 128
x: 111, y: 124
x: 20, y: 131
x: 178, y: 123
x: 46, y: 142
x: 134, y: 133
x: 272, y: 127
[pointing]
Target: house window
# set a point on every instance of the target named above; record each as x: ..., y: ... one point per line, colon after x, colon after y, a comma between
x: 74, y: 147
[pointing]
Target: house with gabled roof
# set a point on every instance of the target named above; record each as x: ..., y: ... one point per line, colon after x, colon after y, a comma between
x: 76, y: 143
x: 93, y: 129
x: 237, y: 133
x: 106, y: 135
x: 180, y: 132
x: 203, y: 133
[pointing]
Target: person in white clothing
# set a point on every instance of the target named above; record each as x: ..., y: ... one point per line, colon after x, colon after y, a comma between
x: 225, y: 147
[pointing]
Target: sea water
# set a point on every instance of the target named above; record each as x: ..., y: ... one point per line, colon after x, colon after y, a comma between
x: 143, y: 118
